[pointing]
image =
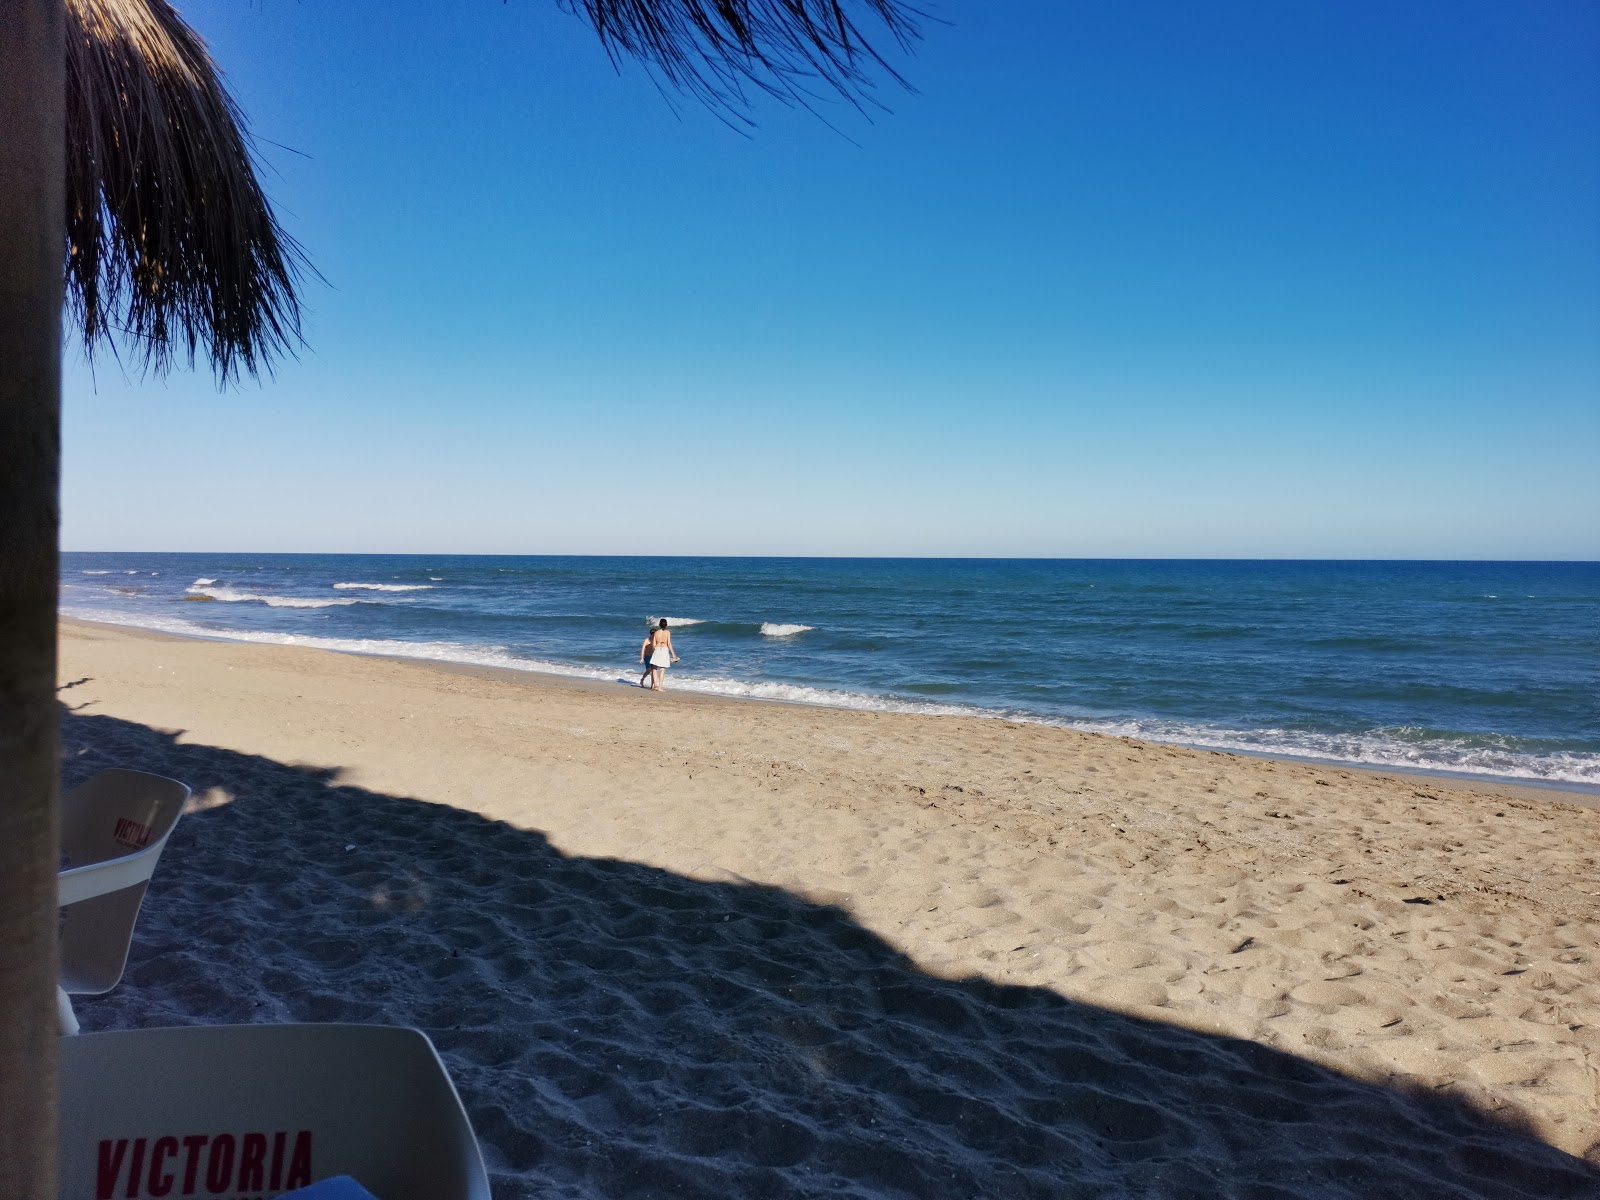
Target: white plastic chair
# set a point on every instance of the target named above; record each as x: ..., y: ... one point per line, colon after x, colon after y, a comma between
x: 257, y: 1110
x: 112, y: 831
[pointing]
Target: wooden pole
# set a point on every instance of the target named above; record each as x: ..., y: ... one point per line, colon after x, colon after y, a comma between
x: 32, y: 233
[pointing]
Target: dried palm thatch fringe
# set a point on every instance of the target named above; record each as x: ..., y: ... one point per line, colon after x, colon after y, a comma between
x: 714, y: 49
x: 172, y: 247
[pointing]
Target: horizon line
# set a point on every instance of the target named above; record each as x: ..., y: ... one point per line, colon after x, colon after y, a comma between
x: 849, y: 557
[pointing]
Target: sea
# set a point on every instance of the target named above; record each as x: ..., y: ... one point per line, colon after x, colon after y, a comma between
x: 1484, y: 669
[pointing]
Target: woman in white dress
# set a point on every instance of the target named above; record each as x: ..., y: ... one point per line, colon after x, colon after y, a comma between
x: 662, y: 655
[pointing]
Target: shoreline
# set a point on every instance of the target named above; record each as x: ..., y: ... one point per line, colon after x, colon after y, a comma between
x: 1577, y: 793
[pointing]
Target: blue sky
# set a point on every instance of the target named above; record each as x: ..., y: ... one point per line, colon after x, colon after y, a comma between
x: 1185, y: 279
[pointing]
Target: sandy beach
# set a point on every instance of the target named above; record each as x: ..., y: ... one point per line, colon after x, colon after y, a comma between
x: 678, y: 945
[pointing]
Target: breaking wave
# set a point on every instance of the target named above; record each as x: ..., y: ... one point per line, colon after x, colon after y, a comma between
x: 1403, y: 748
x: 386, y: 587
x: 234, y: 596
x: 773, y: 629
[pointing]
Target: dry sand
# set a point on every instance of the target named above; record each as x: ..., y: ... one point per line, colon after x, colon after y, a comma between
x: 673, y: 945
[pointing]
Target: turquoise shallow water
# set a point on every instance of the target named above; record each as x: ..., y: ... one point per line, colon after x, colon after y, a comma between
x: 1478, y: 668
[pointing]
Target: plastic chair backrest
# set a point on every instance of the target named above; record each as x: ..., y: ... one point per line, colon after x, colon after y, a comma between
x: 244, y: 1112
x: 113, y: 829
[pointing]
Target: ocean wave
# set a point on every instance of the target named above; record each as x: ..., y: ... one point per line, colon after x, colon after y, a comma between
x: 96, y: 572
x: 743, y: 628
x: 234, y: 596
x: 386, y: 587
x: 1401, y: 748
x: 674, y: 622
x: 200, y: 583
x: 773, y: 629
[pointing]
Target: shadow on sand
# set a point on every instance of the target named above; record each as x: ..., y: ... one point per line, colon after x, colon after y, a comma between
x: 620, y: 1031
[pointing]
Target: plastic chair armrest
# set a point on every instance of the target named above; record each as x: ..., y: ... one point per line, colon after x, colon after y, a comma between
x: 98, y: 879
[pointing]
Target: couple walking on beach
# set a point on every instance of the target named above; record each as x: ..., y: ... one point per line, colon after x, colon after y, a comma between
x: 656, y: 654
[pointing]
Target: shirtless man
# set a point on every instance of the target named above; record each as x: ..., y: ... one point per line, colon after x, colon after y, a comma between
x: 644, y: 659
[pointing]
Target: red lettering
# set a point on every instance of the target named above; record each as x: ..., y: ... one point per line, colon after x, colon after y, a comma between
x: 290, y: 1166
x: 131, y: 833
x: 219, y: 1163
x: 160, y: 1181
x: 135, y: 1167
x: 192, y: 1144
x: 300, y: 1161
x: 277, y: 1159
x: 105, y: 1180
x: 252, y: 1154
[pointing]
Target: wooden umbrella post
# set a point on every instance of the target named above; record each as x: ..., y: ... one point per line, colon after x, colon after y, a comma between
x: 32, y: 231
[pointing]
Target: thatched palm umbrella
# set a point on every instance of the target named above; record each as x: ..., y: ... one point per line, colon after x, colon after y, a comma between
x: 121, y: 146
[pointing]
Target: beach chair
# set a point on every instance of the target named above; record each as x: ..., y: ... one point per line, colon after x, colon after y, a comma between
x: 112, y: 831
x: 236, y: 1111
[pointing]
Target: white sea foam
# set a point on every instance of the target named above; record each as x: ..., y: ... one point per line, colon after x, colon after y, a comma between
x: 234, y: 596
x: 130, y: 572
x: 96, y: 572
x: 772, y: 629
x: 1378, y: 748
x: 200, y: 583
x: 386, y: 587
x: 1397, y: 748
x: 437, y: 578
x: 674, y: 622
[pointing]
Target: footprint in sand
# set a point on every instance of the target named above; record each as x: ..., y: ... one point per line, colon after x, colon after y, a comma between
x: 1326, y: 997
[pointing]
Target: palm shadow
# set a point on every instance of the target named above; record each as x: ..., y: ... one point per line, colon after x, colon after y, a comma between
x: 618, y: 1030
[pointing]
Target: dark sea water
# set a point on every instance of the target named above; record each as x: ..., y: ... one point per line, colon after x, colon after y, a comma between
x: 1479, y: 668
